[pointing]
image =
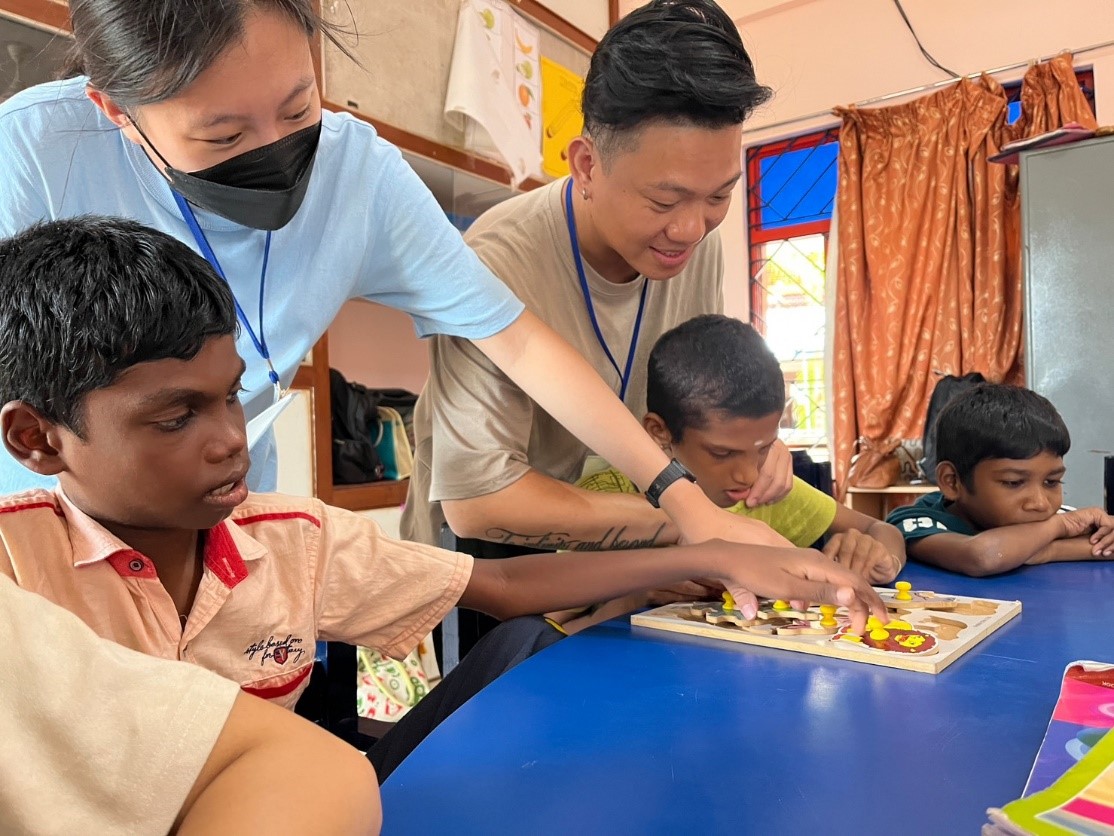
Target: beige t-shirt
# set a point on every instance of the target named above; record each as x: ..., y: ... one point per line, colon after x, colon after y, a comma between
x: 476, y: 431
x: 97, y: 738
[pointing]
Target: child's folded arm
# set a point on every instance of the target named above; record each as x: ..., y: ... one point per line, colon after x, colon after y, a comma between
x: 988, y: 552
x: 1066, y: 549
x: 1088, y: 535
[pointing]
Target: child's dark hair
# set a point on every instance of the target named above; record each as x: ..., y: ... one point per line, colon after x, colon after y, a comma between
x: 671, y: 61
x: 84, y: 299
x: 995, y: 421
x: 712, y: 363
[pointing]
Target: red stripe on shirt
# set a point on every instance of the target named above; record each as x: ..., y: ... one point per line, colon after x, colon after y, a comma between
x: 222, y: 558
x: 31, y: 505
x: 279, y: 690
x: 284, y: 515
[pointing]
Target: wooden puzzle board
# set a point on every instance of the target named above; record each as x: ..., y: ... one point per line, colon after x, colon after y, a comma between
x: 956, y: 632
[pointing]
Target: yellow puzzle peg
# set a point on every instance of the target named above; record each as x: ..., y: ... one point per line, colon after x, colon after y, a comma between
x: 903, y: 591
x: 827, y: 611
x: 780, y: 606
x: 875, y: 629
x: 728, y: 601
x: 898, y: 624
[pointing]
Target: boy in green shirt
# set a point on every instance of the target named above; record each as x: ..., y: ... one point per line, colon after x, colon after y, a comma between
x: 715, y: 396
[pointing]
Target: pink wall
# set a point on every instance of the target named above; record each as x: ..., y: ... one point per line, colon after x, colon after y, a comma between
x: 377, y: 346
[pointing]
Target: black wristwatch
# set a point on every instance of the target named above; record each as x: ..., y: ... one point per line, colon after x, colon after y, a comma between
x: 673, y: 471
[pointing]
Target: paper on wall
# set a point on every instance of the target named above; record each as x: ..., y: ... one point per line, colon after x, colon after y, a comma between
x: 561, y: 115
x: 494, y: 89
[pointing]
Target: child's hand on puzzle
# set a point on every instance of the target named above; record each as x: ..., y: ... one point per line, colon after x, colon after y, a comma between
x: 1082, y: 520
x: 864, y: 555
x: 793, y: 575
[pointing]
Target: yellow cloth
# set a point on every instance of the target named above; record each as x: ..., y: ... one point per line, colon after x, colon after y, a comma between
x: 803, y: 517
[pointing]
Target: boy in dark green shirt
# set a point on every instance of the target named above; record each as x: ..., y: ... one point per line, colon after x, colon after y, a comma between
x: 1001, y: 468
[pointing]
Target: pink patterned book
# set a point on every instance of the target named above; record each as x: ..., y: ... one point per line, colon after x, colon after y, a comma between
x: 1083, y: 714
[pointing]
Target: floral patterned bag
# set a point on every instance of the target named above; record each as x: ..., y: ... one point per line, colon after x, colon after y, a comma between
x: 387, y: 688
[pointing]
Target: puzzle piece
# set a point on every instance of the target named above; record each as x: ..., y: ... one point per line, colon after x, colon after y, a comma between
x: 896, y: 640
x: 904, y: 599
x: 798, y: 627
x: 946, y: 628
x: 722, y: 615
x: 771, y: 609
x: 699, y: 609
x: 979, y: 607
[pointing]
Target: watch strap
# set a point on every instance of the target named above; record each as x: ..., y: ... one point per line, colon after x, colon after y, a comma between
x: 672, y: 472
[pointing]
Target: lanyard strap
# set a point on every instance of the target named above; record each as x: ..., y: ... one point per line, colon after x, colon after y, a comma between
x: 260, y: 342
x: 624, y: 374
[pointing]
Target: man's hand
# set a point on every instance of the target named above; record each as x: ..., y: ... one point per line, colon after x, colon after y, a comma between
x: 793, y: 575
x: 775, y: 479
x: 863, y: 555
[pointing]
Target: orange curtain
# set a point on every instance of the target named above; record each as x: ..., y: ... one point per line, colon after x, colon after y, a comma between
x: 929, y: 270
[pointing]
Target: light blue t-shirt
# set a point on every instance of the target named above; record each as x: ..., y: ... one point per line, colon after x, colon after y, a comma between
x: 368, y: 228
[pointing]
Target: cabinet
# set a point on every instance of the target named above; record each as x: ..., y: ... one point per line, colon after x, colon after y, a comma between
x: 1067, y: 249
x: 878, y: 502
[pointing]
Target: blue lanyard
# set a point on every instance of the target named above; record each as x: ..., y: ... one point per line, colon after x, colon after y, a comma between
x: 624, y: 374
x: 259, y: 342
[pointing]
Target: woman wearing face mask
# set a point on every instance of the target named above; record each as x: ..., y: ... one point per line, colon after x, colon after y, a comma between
x: 206, y: 123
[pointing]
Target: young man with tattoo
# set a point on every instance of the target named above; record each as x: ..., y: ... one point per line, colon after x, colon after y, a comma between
x: 610, y: 258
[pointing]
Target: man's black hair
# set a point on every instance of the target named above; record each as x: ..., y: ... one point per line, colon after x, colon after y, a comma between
x: 710, y: 364
x: 84, y: 299
x: 672, y: 61
x: 995, y: 421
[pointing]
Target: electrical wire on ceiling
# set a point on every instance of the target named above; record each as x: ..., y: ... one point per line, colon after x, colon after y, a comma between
x: 924, y: 51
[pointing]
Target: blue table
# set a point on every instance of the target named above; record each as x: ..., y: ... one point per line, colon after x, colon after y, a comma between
x: 635, y: 731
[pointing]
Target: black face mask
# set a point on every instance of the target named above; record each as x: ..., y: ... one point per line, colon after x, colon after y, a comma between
x: 262, y: 188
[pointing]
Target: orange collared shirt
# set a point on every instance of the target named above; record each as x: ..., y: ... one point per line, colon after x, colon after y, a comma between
x: 280, y: 573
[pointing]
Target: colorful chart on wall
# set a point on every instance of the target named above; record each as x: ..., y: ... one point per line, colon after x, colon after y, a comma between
x: 561, y: 116
x: 494, y: 90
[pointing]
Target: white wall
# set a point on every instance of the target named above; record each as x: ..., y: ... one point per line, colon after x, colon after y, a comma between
x: 590, y: 16
x: 821, y: 53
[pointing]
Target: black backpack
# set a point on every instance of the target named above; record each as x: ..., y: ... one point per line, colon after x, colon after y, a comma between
x: 946, y: 388
x: 355, y: 420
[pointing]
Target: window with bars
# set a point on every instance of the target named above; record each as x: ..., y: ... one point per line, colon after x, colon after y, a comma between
x: 791, y: 186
